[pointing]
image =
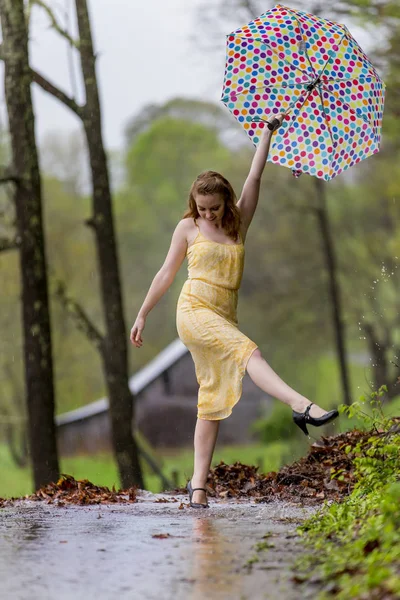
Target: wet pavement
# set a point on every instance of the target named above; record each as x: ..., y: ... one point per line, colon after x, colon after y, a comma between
x: 106, y: 551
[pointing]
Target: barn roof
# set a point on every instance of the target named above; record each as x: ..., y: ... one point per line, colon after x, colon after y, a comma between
x: 137, y: 383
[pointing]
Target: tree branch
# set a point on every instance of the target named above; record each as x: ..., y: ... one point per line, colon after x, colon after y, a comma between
x: 90, y: 223
x: 50, y: 88
x: 9, y: 178
x: 7, y: 244
x: 78, y: 314
x: 55, y: 24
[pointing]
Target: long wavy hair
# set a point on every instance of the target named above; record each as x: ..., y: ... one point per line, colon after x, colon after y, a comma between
x: 211, y: 182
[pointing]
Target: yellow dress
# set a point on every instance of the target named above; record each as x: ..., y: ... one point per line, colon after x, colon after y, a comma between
x: 207, y: 324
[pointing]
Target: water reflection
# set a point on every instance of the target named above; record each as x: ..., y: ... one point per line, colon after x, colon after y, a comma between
x: 214, y: 572
x: 59, y: 553
x: 28, y: 525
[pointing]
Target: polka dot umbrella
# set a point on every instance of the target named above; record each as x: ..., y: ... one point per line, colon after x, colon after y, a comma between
x: 313, y: 70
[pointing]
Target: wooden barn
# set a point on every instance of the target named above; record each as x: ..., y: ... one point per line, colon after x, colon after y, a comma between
x: 166, y: 398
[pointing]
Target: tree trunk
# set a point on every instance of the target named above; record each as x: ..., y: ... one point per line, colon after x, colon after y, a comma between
x: 28, y: 200
x: 115, y: 357
x: 333, y: 290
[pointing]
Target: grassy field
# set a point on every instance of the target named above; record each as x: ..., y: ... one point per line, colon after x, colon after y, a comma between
x: 100, y: 469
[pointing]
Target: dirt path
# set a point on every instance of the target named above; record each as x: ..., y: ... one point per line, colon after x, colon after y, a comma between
x: 107, y: 551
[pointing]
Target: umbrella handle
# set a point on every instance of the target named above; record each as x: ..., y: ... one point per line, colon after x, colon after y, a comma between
x: 273, y: 125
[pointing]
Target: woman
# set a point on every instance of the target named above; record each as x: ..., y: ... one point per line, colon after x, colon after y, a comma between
x: 212, y: 235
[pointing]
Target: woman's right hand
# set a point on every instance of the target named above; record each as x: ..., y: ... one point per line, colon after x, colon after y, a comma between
x: 278, y: 117
x: 136, y: 332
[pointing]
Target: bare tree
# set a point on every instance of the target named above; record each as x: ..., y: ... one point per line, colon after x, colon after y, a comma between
x: 113, y: 345
x: 24, y: 172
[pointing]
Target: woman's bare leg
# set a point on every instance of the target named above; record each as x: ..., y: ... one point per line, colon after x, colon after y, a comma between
x: 205, y: 437
x: 266, y: 379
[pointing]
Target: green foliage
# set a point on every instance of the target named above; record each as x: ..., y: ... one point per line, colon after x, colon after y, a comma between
x: 355, y: 543
x: 373, y: 411
x: 278, y: 425
x: 190, y: 110
x: 166, y: 158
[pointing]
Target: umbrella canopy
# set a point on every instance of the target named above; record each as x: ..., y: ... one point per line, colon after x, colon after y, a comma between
x: 291, y: 61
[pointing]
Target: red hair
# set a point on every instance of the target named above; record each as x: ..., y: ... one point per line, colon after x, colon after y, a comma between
x: 209, y: 183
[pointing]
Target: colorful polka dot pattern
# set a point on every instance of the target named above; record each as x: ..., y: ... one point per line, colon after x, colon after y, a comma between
x: 291, y: 60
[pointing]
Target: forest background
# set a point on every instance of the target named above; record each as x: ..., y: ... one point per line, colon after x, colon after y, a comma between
x: 285, y: 304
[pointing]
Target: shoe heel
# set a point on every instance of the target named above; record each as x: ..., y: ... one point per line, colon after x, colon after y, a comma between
x: 301, y: 422
x: 190, y: 490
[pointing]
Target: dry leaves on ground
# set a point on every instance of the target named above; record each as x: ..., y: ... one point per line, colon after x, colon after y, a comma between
x: 308, y: 480
x: 68, y: 490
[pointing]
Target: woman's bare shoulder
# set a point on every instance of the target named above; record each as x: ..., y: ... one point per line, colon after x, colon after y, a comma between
x: 186, y: 227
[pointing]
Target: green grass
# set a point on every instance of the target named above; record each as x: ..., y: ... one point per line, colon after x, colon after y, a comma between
x: 353, y: 545
x: 100, y: 469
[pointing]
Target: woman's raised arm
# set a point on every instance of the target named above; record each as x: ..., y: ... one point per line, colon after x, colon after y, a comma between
x: 249, y: 197
x: 163, y: 279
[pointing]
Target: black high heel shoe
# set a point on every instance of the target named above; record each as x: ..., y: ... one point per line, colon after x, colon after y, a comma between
x: 190, y: 491
x: 301, y: 419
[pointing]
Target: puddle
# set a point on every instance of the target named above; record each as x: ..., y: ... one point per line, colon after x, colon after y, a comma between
x: 100, y: 552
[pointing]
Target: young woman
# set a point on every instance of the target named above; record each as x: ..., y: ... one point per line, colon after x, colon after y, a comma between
x: 211, y: 235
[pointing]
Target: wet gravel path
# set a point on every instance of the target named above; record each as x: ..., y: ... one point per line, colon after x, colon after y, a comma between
x: 106, y: 551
